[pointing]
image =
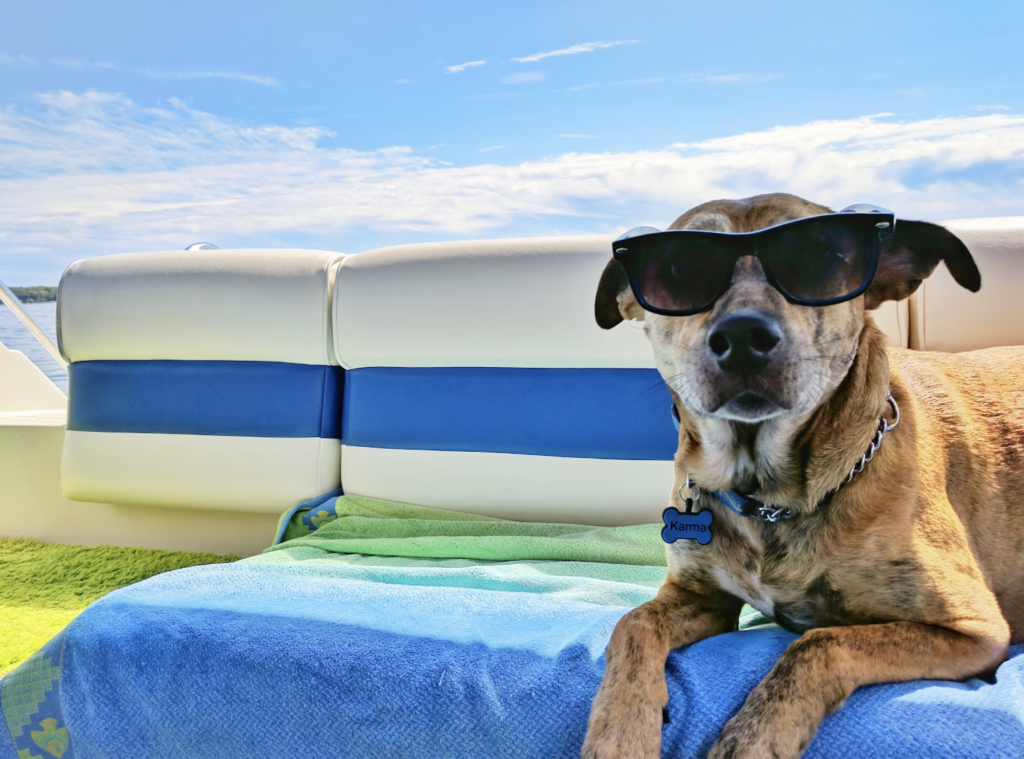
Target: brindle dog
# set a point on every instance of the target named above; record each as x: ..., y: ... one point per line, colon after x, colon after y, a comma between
x: 912, y: 570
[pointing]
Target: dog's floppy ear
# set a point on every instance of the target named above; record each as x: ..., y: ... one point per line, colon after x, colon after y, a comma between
x: 615, y: 300
x: 911, y: 254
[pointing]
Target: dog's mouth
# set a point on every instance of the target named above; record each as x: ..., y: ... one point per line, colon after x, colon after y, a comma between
x: 749, y: 406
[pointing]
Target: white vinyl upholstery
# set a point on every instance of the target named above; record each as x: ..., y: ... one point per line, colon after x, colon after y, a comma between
x: 227, y: 305
x: 203, y: 379
x: 256, y: 474
x: 946, y: 317
x: 510, y: 486
x: 523, y: 302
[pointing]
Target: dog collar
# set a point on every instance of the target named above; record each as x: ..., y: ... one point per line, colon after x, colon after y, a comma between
x: 753, y: 508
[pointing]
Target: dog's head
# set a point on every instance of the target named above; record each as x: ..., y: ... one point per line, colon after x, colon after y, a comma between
x: 754, y: 355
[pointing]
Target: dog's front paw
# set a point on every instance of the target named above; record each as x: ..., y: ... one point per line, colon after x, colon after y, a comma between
x: 621, y: 742
x: 747, y: 736
x: 623, y: 731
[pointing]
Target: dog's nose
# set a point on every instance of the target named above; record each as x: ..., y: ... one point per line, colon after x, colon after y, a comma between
x: 742, y: 342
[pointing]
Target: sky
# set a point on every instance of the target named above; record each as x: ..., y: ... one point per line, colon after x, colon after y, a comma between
x: 345, y: 126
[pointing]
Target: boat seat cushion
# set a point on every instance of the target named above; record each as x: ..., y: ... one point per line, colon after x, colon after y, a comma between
x: 201, y: 379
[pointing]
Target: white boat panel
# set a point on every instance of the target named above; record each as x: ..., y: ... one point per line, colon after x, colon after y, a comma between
x: 33, y: 506
x: 23, y: 387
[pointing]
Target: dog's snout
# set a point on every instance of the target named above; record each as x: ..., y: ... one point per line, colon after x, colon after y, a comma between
x: 743, y: 341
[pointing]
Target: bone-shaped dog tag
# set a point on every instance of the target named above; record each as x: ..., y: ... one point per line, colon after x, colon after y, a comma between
x: 688, y: 526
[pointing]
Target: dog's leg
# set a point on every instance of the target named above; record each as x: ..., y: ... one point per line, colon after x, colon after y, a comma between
x: 820, y: 670
x: 626, y: 718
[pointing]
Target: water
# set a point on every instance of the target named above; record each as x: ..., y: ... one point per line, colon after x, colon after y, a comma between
x: 15, y: 336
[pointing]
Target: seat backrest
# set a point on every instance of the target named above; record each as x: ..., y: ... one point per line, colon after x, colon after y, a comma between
x: 478, y: 380
x: 201, y: 378
x: 946, y: 317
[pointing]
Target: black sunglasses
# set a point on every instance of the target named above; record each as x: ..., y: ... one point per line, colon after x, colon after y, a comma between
x: 817, y: 261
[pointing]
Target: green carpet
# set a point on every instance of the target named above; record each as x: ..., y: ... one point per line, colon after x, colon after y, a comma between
x: 43, y: 586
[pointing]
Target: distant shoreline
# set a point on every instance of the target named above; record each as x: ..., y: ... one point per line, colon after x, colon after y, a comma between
x: 37, y: 294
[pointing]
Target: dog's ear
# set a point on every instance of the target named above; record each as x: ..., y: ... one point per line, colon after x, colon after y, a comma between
x: 615, y: 300
x: 911, y: 254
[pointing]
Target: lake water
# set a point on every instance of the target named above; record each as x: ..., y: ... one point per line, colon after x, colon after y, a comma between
x: 15, y: 336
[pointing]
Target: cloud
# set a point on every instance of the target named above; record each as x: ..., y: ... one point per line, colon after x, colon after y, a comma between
x: 7, y: 58
x: 578, y: 136
x: 526, y: 77
x: 463, y: 66
x: 74, y: 63
x: 585, y: 47
x: 492, y: 147
x: 991, y: 107
x: 403, y: 81
x: 95, y: 173
x: 266, y: 81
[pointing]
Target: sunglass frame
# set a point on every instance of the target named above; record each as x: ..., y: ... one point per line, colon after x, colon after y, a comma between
x: 884, y: 222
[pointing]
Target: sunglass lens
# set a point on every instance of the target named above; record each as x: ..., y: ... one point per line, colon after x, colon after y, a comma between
x: 679, y: 272
x: 823, y: 260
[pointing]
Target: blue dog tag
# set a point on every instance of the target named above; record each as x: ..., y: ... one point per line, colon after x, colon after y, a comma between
x: 688, y: 526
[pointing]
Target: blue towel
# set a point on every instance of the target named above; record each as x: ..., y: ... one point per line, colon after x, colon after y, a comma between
x: 331, y: 659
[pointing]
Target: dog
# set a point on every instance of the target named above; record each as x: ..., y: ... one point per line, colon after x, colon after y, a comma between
x: 911, y: 568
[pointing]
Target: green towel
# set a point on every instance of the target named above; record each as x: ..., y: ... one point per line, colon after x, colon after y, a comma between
x: 370, y: 540
x: 353, y: 524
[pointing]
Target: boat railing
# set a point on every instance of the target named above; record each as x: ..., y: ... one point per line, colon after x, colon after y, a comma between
x: 10, y: 300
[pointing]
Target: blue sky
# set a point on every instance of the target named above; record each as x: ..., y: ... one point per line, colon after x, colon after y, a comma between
x: 351, y: 125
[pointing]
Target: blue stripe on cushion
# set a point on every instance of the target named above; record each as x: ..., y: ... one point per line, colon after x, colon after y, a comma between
x: 579, y: 413
x: 234, y: 398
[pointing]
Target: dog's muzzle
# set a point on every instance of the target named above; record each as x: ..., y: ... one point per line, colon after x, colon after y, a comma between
x: 742, y: 342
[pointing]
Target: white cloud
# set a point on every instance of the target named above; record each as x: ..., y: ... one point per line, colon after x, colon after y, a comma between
x: 584, y: 47
x: 492, y: 147
x: 526, y: 77
x: 87, y: 174
x: 74, y: 63
x: 402, y: 81
x: 578, y: 136
x: 7, y: 58
x: 463, y: 66
x: 266, y: 81
x: 991, y: 107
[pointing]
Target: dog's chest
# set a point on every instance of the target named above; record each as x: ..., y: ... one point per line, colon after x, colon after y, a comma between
x: 783, y: 580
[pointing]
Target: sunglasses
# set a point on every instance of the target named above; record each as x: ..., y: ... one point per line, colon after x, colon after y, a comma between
x: 817, y: 261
